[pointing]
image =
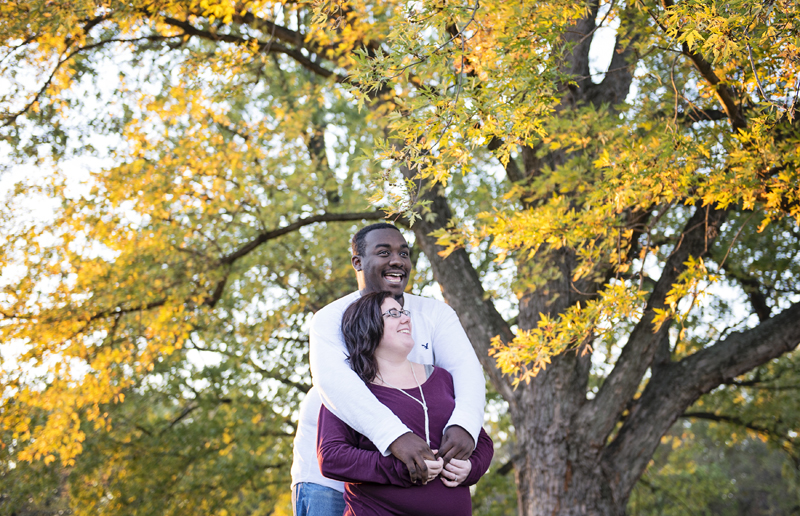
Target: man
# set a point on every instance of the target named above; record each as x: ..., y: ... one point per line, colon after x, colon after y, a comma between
x: 381, y: 258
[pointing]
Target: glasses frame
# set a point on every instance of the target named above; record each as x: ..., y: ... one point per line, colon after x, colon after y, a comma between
x: 394, y: 312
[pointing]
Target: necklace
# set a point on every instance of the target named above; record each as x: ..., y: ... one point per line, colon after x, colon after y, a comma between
x: 424, y: 405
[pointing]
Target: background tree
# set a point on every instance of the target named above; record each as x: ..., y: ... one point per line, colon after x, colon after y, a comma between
x: 621, y: 223
x: 698, y: 469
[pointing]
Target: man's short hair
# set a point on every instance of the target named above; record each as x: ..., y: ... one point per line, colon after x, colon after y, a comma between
x: 358, y: 242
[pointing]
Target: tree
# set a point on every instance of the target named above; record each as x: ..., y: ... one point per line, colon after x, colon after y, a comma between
x: 678, y: 174
x: 697, y: 472
x: 235, y: 176
x: 158, y: 313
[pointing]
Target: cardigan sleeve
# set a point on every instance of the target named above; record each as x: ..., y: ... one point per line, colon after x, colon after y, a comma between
x: 341, y: 459
x: 481, y: 458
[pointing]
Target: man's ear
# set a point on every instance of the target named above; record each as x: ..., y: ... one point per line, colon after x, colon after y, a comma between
x: 356, y: 261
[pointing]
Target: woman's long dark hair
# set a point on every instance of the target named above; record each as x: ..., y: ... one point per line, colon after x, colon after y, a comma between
x: 362, y: 328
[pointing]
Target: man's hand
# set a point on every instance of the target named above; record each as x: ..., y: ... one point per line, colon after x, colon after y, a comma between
x: 456, y: 444
x: 413, y: 452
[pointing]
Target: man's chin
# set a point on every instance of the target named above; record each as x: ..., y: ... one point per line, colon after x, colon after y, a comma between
x: 396, y: 289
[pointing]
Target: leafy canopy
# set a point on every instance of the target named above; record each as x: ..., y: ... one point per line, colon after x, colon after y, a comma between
x: 157, y: 311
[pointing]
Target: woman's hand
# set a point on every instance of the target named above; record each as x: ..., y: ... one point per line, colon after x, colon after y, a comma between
x: 434, y: 467
x: 456, y: 472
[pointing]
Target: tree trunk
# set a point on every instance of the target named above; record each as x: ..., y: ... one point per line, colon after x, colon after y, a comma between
x: 556, y: 471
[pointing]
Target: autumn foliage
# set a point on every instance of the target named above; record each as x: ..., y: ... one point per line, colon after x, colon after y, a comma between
x: 620, y: 239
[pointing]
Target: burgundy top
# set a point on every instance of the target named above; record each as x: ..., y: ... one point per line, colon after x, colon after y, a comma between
x: 378, y: 485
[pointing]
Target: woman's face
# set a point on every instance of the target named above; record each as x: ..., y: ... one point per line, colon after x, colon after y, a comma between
x: 396, y: 338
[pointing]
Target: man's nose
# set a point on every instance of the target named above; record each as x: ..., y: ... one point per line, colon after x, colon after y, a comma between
x: 395, y: 260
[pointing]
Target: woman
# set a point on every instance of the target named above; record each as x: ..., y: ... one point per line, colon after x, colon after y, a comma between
x: 377, y: 332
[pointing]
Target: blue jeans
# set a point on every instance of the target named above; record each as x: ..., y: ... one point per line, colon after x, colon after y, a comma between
x: 315, y: 500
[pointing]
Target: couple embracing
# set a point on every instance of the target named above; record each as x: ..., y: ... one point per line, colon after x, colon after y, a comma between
x: 396, y: 410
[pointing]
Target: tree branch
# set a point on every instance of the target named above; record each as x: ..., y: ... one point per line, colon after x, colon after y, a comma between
x: 461, y: 286
x: 751, y: 384
x: 723, y: 92
x: 275, y: 30
x: 701, y: 115
x: 265, y: 236
x: 323, y: 217
x: 710, y: 416
x: 219, y: 289
x: 601, y: 414
x: 267, y: 47
x: 577, y: 62
x: 673, y: 388
x: 185, y: 412
x: 616, y: 84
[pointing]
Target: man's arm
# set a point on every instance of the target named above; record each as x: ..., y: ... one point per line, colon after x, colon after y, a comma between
x: 454, y: 353
x: 347, y: 397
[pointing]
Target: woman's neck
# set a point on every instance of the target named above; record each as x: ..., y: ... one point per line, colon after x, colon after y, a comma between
x: 398, y: 372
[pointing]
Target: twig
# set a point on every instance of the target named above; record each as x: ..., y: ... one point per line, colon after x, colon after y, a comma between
x: 597, y: 25
x: 755, y: 72
x: 734, y: 239
x: 675, y: 88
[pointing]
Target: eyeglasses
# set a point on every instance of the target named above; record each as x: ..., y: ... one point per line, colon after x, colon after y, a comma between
x: 394, y: 312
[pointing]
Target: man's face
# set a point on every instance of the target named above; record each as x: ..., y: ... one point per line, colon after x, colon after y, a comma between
x: 386, y: 263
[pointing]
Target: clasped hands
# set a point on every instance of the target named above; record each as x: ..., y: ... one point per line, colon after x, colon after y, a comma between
x: 450, y: 463
x: 452, y: 474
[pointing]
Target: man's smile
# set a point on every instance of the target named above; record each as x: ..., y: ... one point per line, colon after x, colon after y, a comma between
x: 394, y: 277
